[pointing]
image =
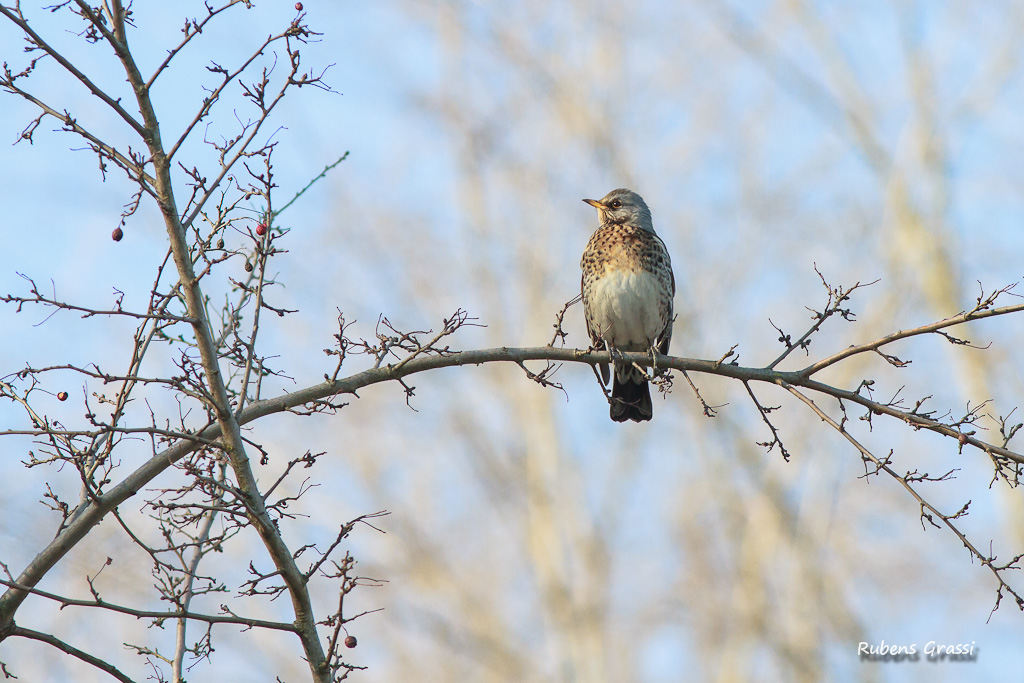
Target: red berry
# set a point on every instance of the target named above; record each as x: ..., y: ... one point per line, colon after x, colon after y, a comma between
x: 117, y: 234
x: 298, y: 8
x: 62, y: 396
x: 261, y: 229
x: 351, y: 641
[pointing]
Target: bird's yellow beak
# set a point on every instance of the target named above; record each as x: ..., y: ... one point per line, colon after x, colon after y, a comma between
x: 596, y: 204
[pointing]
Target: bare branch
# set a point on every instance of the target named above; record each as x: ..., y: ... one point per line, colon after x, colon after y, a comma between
x: 37, y: 41
x: 110, y: 670
x: 928, y: 512
x: 983, y: 309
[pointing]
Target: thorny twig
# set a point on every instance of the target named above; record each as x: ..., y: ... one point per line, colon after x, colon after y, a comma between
x: 837, y: 296
x: 929, y: 512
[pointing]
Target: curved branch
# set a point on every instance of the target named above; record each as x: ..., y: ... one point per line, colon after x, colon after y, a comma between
x: 422, y: 358
x: 71, y: 650
x: 97, y: 509
x: 983, y: 309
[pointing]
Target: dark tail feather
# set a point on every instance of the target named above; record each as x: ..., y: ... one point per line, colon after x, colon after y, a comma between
x: 631, y: 399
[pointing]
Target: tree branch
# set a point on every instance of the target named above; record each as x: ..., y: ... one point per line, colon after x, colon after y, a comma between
x: 109, y: 669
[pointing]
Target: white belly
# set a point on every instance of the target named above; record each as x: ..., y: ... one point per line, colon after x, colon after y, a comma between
x: 626, y: 308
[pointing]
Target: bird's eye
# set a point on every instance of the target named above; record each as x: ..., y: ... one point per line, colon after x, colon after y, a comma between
x: 616, y: 204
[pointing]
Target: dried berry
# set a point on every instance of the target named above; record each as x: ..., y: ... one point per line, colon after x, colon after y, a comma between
x: 248, y: 267
x: 117, y: 234
x: 351, y: 641
x: 298, y: 8
x: 261, y: 229
x: 62, y: 396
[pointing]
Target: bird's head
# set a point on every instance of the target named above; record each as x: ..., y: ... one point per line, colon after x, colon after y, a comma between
x: 623, y: 207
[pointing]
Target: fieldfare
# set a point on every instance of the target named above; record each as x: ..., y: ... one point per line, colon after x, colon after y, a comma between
x: 628, y: 288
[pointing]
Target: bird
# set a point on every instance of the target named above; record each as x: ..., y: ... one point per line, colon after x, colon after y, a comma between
x: 627, y: 289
